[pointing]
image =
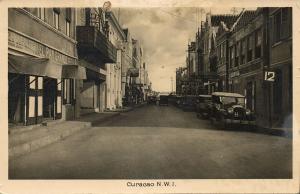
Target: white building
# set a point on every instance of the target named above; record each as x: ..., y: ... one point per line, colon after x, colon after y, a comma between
x: 114, y: 71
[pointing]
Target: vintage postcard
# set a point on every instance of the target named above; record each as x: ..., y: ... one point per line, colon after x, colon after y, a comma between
x: 149, y: 97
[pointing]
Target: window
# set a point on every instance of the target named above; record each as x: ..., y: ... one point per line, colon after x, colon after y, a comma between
x: 41, y: 13
x: 224, y: 50
x: 231, y: 56
x: 258, y: 40
x: 56, y: 13
x: 68, y: 21
x: 250, y: 48
x: 282, y: 25
x: 243, y: 51
x: 237, y: 54
x: 68, y: 28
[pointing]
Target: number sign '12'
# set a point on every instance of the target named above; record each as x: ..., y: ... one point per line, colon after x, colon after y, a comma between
x: 270, y: 76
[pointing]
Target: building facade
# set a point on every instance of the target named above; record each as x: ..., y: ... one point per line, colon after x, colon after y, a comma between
x: 280, y: 98
x: 114, y: 70
x: 94, y: 51
x: 42, y: 65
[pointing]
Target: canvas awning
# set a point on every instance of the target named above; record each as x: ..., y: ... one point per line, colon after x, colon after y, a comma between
x: 44, y: 67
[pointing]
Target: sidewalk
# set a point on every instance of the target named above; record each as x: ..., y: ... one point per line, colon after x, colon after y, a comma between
x: 24, y: 139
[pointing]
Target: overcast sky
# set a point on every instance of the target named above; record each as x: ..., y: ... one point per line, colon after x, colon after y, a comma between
x: 164, y: 34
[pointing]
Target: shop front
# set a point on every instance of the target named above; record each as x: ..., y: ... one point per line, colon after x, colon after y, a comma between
x: 39, y: 88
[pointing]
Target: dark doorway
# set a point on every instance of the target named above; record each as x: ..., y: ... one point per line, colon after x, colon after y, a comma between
x: 49, y: 97
x: 16, y: 98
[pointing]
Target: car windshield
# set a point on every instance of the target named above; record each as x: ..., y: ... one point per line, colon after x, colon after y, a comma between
x: 232, y: 100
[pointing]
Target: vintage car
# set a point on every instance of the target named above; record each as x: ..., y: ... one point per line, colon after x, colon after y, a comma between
x: 229, y: 108
x: 163, y: 99
x: 151, y: 99
x: 203, y: 106
x: 189, y: 102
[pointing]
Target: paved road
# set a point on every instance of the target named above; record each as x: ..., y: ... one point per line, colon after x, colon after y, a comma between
x: 158, y: 142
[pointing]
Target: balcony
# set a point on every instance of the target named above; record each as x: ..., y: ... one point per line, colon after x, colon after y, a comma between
x: 94, y: 46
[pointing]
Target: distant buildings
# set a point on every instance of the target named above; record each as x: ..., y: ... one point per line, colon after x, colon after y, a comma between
x: 65, y: 62
x: 243, y: 53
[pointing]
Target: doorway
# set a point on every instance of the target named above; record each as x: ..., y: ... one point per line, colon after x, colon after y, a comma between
x: 49, y: 98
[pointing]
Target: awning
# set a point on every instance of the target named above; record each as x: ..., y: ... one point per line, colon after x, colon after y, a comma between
x: 44, y: 67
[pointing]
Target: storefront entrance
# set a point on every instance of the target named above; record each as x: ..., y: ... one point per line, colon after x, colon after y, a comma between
x: 49, y: 98
x: 16, y: 98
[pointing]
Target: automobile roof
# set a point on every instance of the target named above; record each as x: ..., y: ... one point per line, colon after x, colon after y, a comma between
x: 205, y: 95
x: 227, y: 94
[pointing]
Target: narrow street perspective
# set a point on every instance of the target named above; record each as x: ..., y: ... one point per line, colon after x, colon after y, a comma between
x: 154, y: 142
x: 150, y: 93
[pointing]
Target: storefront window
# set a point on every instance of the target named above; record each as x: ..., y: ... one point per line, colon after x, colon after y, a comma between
x: 40, y: 83
x: 32, y: 82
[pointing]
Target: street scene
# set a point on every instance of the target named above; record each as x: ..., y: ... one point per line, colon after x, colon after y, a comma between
x: 150, y: 93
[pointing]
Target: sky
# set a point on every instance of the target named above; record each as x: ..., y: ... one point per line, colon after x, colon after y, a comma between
x: 164, y: 34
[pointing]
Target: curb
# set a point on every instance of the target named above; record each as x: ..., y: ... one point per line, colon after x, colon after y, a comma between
x: 27, y: 147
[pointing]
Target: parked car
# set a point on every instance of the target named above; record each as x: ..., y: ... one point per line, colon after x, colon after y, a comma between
x: 179, y: 100
x: 229, y: 108
x: 151, y: 99
x: 163, y: 99
x: 189, y: 102
x: 203, y: 106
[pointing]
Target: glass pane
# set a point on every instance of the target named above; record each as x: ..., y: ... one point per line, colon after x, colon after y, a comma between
x: 31, y: 106
x: 58, y: 104
x: 32, y: 82
x: 40, y: 105
x: 40, y: 83
x: 58, y: 85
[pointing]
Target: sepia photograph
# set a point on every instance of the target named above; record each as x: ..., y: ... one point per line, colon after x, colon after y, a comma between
x: 149, y: 95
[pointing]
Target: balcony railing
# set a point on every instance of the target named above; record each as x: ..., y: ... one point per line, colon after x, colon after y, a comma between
x: 91, y: 40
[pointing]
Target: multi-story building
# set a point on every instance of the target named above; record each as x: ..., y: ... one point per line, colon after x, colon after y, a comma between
x: 127, y: 66
x: 259, y: 42
x: 137, y: 62
x: 206, y: 48
x: 42, y: 65
x: 94, y: 50
x: 114, y: 70
x: 280, y: 92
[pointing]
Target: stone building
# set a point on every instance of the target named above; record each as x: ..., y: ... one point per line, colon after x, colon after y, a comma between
x: 94, y: 50
x: 114, y: 70
x: 206, y: 47
x: 42, y: 65
x: 280, y: 98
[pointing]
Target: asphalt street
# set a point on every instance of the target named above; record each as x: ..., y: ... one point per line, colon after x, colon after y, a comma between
x: 159, y: 142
